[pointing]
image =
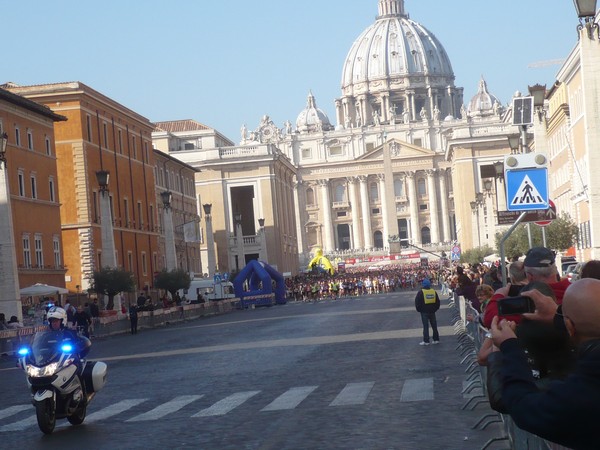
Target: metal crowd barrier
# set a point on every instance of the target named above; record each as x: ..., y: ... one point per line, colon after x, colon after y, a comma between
x: 10, y: 340
x: 471, y: 336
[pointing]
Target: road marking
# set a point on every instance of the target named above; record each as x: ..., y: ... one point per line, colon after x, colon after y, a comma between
x: 290, y: 399
x: 353, y: 394
x: 113, y: 410
x: 222, y: 407
x: 418, y: 389
x: 166, y: 408
x: 12, y: 410
x: 291, y: 342
x: 20, y: 425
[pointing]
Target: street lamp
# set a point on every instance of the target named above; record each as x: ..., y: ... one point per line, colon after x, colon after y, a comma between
x: 102, y: 177
x: 538, y: 92
x: 586, y: 11
x: 211, y: 259
x: 513, y: 141
x: 3, y: 144
x: 170, y: 252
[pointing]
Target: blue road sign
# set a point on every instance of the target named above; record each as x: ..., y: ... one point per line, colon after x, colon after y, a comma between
x: 527, y: 189
x: 455, y: 253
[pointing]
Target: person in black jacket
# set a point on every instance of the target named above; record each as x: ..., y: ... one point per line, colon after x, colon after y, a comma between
x: 427, y: 303
x: 567, y: 411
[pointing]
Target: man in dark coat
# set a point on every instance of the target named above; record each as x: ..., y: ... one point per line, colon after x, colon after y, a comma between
x: 567, y: 412
x: 427, y: 303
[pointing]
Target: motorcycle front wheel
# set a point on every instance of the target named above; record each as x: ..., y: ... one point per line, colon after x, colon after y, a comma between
x: 78, y: 416
x: 46, y: 415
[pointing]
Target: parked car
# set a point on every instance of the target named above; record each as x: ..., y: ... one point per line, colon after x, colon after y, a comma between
x: 566, y: 262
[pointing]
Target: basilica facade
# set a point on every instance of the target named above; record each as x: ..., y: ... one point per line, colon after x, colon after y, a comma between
x: 383, y: 176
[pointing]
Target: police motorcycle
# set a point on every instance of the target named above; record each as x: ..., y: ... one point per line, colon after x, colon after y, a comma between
x: 62, y: 382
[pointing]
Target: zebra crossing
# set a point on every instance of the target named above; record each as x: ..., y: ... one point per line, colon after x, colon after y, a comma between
x: 21, y: 417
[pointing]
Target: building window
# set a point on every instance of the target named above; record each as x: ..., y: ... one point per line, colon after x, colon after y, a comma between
x: 374, y: 192
x: 134, y: 146
x: 126, y: 211
x: 375, y: 211
x: 336, y: 151
x: 105, y: 133
x: 39, y: 253
x: 51, y: 189
x: 425, y: 235
x: 342, y: 214
x: 399, y: 188
x: 29, y: 139
x: 21, y: 179
x: 120, y: 137
x: 56, y: 248
x: 418, y: 142
x: 130, y: 261
x: 340, y: 193
x: 421, y: 187
x: 188, y: 146
x: 146, y: 151
x: 95, y: 206
x: 423, y: 207
x: 26, y: 251
x: 140, y: 216
x: 310, y: 196
x: 88, y: 126
x: 17, y: 137
x: 152, y: 218
x: 48, y: 146
x: 33, y: 187
x: 306, y: 153
x: 144, y: 264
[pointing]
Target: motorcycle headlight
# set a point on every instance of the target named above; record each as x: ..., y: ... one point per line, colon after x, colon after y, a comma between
x: 45, y: 371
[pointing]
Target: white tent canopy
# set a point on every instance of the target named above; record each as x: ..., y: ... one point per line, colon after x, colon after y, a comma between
x: 42, y: 289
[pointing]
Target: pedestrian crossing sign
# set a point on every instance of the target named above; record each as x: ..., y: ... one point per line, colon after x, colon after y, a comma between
x: 527, y: 189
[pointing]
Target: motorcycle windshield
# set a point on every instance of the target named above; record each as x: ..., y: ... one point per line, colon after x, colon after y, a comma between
x: 46, y: 347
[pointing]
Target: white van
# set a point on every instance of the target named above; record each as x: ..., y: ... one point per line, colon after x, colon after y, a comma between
x: 206, y: 289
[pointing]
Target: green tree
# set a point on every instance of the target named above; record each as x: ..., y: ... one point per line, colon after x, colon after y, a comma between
x: 172, y: 281
x: 111, y: 281
x: 476, y: 255
x: 561, y: 234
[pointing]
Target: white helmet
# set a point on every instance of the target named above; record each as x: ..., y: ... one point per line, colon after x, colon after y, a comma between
x: 57, y: 313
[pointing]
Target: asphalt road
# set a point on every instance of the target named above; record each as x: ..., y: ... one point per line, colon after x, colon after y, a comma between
x: 345, y: 374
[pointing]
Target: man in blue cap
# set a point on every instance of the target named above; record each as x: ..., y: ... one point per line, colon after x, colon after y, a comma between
x: 427, y: 303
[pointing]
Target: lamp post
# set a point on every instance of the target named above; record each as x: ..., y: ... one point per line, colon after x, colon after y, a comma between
x: 10, y: 301
x: 586, y: 11
x: 475, y: 209
x: 170, y: 252
x: 239, y: 241
x: 263, y: 241
x: 210, y: 241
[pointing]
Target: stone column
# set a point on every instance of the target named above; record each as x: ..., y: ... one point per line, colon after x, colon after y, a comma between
x: 433, y: 206
x: 354, y: 205
x: 366, y: 212
x: 299, y: 186
x: 447, y: 235
x: 10, y: 300
x: 384, y: 207
x: 328, y: 244
x: 415, y: 229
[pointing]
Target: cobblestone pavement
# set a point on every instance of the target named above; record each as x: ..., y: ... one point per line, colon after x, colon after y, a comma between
x: 345, y: 374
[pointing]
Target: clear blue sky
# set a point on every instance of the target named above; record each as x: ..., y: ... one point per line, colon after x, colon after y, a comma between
x: 228, y: 62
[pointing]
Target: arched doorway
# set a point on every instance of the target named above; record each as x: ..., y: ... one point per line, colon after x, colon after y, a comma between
x: 343, y: 234
x: 403, y: 232
x: 378, y: 239
x: 425, y: 235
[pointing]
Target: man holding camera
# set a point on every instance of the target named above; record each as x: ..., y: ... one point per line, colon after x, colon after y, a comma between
x: 539, y: 265
x: 567, y: 412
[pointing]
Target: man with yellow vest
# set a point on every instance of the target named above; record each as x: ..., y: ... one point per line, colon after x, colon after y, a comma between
x: 427, y: 303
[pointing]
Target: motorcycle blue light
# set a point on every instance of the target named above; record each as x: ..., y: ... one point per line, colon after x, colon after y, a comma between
x: 67, y: 348
x: 23, y: 351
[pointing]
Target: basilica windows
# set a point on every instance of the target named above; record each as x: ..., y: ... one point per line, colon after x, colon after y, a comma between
x: 399, y: 188
x: 374, y: 192
x: 378, y: 239
x: 310, y: 197
x: 340, y: 193
x: 425, y: 235
x: 421, y: 187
